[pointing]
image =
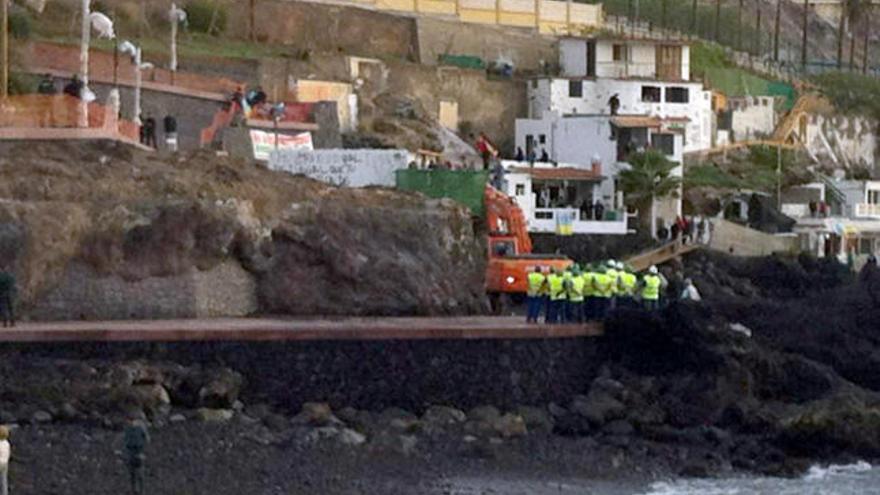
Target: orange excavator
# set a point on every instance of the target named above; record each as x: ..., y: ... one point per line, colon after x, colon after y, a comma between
x: 510, y: 249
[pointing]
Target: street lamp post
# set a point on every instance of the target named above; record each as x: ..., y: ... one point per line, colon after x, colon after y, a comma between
x: 176, y: 16
x: 135, y: 52
x: 104, y: 26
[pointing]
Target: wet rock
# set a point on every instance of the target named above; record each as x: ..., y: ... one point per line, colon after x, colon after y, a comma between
x: 536, y: 419
x: 275, y: 421
x: 387, y: 441
x: 393, y: 413
x: 258, y: 411
x: 406, y: 425
x: 356, y: 417
x: 222, y: 389
x: 68, y: 412
x: 484, y: 413
x: 41, y: 417
x: 316, y: 414
x: 480, y: 428
x: 177, y: 418
x: 556, y: 410
x: 214, y: 415
x: 350, y: 437
x: 619, y: 427
x: 598, y: 407
x: 510, y: 425
x: 151, y: 397
x: 442, y: 415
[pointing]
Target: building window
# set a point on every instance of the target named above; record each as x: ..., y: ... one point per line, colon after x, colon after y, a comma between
x: 619, y: 53
x: 544, y: 215
x: 575, y: 89
x: 865, y: 246
x: 665, y: 143
x: 520, y: 190
x: 542, y: 139
x: 651, y: 94
x: 534, y: 84
x: 676, y: 94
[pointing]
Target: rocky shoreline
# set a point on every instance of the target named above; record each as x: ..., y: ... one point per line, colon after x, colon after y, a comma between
x: 768, y: 375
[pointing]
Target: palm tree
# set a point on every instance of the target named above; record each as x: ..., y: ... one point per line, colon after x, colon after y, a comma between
x: 649, y: 179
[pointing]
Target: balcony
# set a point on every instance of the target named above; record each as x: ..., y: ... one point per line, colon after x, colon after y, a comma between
x: 568, y: 221
x: 867, y: 210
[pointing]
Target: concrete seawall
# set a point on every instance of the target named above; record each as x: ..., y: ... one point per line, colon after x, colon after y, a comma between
x: 374, y: 375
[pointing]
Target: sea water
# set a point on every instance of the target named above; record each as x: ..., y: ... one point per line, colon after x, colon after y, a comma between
x: 851, y: 479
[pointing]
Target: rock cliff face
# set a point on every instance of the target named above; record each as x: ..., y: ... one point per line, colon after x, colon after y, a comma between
x: 100, y: 231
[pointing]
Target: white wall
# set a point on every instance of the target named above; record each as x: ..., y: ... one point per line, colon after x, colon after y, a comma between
x: 573, y: 57
x: 852, y: 139
x: 344, y: 168
x: 576, y: 140
x: 752, y: 117
x: 552, y: 96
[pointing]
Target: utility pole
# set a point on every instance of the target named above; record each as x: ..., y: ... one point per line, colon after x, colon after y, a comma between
x: 253, y: 24
x: 717, y: 20
x: 840, y: 30
x: 804, y: 43
x: 779, y: 177
x: 173, y: 64
x: 694, y: 17
x: 4, y: 92
x: 758, y: 28
x: 776, y: 32
x: 867, y: 29
x: 739, y: 30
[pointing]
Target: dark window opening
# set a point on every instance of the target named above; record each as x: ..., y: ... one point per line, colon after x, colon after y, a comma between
x: 575, y: 89
x: 676, y: 95
x: 651, y: 94
x: 664, y: 143
x: 542, y: 139
x: 620, y: 53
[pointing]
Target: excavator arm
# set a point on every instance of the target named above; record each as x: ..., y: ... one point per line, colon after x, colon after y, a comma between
x: 504, y: 217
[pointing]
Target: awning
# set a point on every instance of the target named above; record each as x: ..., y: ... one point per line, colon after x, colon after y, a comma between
x: 562, y: 173
x: 636, y: 121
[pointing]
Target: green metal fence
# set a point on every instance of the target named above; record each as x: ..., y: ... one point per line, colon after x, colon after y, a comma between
x: 465, y: 186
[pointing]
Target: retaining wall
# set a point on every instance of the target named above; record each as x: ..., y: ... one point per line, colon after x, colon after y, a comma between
x: 378, y: 374
x: 347, y: 168
x: 82, y: 294
x: 749, y: 242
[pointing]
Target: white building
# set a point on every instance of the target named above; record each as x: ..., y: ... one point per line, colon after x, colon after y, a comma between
x: 562, y: 198
x: 853, y: 222
x: 648, y: 77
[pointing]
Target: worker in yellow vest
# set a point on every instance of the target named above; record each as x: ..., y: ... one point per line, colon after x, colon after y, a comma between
x: 575, y: 304
x: 556, y: 284
x: 537, y: 289
x: 611, y: 270
x: 628, y: 285
x: 652, y: 284
x: 590, y: 293
x: 604, y: 281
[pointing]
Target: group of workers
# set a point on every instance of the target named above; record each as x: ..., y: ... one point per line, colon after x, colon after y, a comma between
x: 576, y: 295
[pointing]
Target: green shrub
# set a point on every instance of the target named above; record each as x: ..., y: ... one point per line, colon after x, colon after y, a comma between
x: 205, y: 16
x: 20, y: 25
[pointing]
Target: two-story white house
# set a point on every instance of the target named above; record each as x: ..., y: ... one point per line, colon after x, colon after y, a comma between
x: 646, y: 77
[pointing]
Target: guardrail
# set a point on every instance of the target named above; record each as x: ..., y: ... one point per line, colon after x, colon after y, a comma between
x: 868, y: 210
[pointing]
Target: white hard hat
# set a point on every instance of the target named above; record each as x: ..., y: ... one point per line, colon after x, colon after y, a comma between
x: 653, y: 270
x: 620, y: 265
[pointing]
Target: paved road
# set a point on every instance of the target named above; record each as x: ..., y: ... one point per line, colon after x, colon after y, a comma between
x: 279, y: 329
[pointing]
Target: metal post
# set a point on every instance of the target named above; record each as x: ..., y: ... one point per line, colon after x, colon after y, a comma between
x: 173, y: 65
x: 84, y: 62
x: 779, y: 177
x: 804, y: 43
x: 4, y: 92
x: 138, y: 83
x: 776, y: 32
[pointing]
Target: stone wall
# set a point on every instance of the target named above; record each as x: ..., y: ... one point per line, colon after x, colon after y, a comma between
x: 375, y: 375
x: 743, y: 241
x: 82, y: 294
x: 526, y: 49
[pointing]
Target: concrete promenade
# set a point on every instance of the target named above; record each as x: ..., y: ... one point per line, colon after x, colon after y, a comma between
x: 281, y: 329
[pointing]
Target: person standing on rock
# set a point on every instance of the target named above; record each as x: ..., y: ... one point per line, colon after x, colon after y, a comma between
x: 651, y: 286
x: 7, y: 298
x: 5, y: 454
x: 136, y: 438
x: 869, y: 278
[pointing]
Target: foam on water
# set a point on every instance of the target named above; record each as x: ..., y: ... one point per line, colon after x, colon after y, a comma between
x: 857, y: 478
